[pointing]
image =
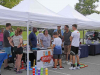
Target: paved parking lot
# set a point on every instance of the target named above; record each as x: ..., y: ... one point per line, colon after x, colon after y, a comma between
x: 93, y: 68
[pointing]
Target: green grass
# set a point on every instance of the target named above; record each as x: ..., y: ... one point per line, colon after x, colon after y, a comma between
x: 81, y: 34
x: 25, y: 34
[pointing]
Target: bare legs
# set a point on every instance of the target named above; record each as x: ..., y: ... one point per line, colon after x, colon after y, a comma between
x: 77, y: 59
x: 18, y: 61
x: 60, y: 62
x: 6, y: 62
x: 70, y: 58
x: 56, y: 62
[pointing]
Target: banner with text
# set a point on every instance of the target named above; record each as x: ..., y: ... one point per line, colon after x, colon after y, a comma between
x: 44, y: 58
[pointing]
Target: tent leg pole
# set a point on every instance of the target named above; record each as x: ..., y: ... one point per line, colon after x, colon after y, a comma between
x: 83, y: 36
x: 27, y: 48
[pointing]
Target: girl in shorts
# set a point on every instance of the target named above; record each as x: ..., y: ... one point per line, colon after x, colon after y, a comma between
x: 16, y: 42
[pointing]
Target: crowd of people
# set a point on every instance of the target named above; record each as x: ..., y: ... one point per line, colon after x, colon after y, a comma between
x: 13, y: 43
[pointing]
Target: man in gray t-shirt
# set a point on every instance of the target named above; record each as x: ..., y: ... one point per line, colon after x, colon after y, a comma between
x: 67, y: 43
x: 7, y: 47
x: 6, y: 36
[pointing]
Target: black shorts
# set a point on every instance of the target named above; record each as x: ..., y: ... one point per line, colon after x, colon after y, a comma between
x: 74, y: 50
x: 18, y: 50
x: 58, y: 56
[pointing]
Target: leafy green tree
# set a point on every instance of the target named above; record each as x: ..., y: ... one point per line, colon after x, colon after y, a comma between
x: 9, y: 3
x: 87, y: 7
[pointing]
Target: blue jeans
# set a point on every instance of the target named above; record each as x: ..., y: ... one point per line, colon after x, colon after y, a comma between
x: 8, y: 50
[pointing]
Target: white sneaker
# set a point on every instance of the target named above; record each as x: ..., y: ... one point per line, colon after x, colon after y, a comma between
x: 72, y: 68
x: 64, y: 62
x: 78, y: 67
x: 69, y: 63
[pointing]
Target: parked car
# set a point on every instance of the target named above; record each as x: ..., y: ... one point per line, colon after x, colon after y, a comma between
x: 92, y: 35
x: 99, y: 35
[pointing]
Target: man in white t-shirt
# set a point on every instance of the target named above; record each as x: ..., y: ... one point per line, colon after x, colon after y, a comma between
x: 75, y: 36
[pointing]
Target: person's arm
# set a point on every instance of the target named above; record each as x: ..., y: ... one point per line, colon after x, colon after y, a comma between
x: 71, y: 38
x: 50, y: 41
x: 62, y: 38
x: 21, y: 42
x: 30, y: 39
x: 11, y: 43
x: 41, y: 43
x: 38, y: 38
x: 53, y: 46
x: 8, y: 36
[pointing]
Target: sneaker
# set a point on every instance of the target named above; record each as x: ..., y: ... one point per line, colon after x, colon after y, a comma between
x: 54, y: 68
x: 18, y: 72
x: 69, y: 63
x: 72, y: 68
x: 15, y: 69
x: 61, y: 67
x: 7, y: 68
x: 78, y: 67
x: 66, y: 62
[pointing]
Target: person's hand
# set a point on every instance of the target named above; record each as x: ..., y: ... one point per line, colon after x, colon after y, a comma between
x: 18, y: 46
x: 37, y: 44
x: 70, y: 45
x: 12, y: 46
x: 42, y: 46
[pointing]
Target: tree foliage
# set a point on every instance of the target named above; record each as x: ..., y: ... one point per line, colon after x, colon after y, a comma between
x: 9, y: 3
x: 87, y: 7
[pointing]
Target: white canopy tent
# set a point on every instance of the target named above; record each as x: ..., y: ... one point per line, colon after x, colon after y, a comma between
x: 40, y: 15
x: 82, y: 21
x: 26, y: 18
x: 31, y: 13
x: 94, y: 16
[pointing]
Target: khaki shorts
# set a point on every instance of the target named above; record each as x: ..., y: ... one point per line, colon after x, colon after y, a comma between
x: 67, y: 49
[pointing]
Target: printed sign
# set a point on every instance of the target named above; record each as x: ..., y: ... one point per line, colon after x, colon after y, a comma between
x: 44, y: 58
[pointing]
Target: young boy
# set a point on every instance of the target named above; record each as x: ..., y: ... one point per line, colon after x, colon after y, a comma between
x: 57, y: 51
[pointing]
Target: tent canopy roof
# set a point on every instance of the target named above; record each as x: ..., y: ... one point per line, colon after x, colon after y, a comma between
x: 69, y: 12
x: 18, y: 17
x: 94, y: 16
x: 33, y: 6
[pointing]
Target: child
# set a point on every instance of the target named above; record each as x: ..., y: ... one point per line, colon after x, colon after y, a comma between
x: 57, y: 50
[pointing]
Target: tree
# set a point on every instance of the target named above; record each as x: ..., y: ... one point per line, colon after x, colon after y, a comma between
x: 87, y: 7
x: 9, y: 3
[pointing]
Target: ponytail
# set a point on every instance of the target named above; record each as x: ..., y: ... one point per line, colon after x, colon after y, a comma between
x: 18, y: 31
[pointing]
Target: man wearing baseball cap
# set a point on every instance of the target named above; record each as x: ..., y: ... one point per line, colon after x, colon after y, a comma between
x: 59, y: 31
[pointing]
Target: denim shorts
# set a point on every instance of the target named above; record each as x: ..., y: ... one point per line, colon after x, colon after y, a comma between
x: 8, y: 50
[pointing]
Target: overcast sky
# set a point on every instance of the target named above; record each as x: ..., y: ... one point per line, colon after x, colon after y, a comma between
x: 57, y: 5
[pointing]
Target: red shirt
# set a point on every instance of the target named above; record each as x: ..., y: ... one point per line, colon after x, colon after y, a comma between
x: 1, y: 36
